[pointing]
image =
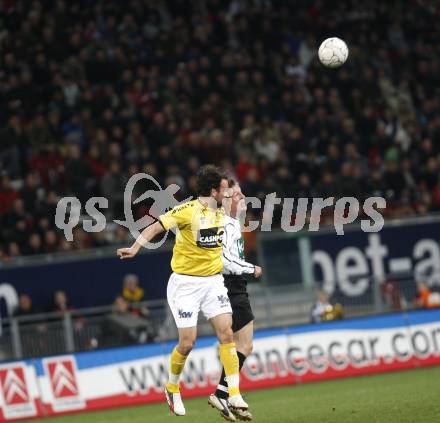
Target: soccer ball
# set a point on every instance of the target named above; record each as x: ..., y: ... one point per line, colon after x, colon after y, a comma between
x: 333, y: 52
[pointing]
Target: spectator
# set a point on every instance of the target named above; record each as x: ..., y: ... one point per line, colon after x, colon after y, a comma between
x: 8, y: 194
x: 121, y: 327
x: 112, y: 187
x: 33, y: 333
x: 131, y: 291
x: 35, y: 245
x: 320, y: 307
x: 61, y: 302
x: 391, y: 294
x: 323, y: 310
x: 425, y: 298
x: 25, y: 307
x: 50, y: 242
x: 12, y: 146
x: 134, y: 294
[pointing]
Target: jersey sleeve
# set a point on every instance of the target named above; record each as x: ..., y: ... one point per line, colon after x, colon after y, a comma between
x: 176, y: 218
x: 231, y: 262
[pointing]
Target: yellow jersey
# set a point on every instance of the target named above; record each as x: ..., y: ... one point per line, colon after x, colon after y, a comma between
x: 199, y: 237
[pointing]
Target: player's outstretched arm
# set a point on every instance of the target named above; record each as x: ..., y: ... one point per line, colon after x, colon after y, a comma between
x: 146, y: 236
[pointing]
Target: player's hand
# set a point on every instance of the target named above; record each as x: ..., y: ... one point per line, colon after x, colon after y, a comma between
x: 258, y: 271
x: 125, y: 253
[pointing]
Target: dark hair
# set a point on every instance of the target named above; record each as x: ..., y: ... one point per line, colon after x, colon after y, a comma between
x: 209, y: 177
x: 231, y: 183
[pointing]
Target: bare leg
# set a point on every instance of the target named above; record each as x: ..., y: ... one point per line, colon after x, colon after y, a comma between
x: 243, y: 339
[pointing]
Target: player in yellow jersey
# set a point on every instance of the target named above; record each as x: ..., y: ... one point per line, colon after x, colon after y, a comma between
x: 197, y: 282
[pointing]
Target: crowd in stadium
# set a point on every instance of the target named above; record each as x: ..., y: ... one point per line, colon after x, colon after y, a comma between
x: 93, y: 92
x: 127, y: 322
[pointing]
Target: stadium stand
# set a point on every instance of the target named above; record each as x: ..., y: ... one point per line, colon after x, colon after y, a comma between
x: 95, y: 91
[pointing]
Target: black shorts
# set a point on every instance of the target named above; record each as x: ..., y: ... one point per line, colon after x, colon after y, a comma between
x: 239, y: 298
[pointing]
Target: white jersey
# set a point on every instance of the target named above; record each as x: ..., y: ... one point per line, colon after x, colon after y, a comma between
x: 317, y: 310
x: 233, y: 249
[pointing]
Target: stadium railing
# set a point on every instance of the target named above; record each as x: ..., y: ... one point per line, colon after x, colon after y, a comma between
x: 95, y: 328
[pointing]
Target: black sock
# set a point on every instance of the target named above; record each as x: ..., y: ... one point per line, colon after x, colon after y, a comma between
x: 222, y: 394
x: 241, y: 359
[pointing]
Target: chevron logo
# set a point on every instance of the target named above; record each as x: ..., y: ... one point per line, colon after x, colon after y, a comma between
x: 63, y: 379
x: 13, y: 384
x: 61, y: 373
x: 16, y: 391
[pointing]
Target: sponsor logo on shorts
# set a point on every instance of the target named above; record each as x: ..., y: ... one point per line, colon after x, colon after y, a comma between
x: 185, y: 314
x: 223, y: 299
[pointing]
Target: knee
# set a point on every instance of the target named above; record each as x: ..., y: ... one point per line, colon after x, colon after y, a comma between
x: 186, y: 345
x: 226, y: 336
x: 247, y: 349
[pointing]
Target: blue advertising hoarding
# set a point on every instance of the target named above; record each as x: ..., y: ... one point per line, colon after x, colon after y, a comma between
x: 346, y: 265
x: 88, y: 282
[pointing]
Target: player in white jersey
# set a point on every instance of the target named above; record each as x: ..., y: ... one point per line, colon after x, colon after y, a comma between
x: 234, y: 268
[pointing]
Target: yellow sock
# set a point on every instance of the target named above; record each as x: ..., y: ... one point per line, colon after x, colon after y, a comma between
x: 177, y: 362
x: 229, y: 359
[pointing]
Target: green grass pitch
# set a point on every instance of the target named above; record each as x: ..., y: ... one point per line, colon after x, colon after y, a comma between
x: 408, y: 396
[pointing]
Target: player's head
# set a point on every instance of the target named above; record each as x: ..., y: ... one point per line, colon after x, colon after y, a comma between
x: 212, y: 182
x: 323, y: 296
x: 234, y: 199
